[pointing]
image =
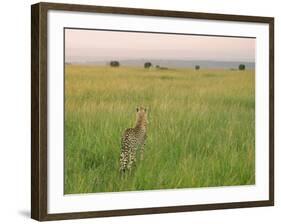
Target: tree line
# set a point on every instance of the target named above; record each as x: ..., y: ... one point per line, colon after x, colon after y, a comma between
x: 148, y: 65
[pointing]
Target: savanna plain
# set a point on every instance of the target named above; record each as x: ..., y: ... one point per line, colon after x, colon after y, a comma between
x: 201, y: 130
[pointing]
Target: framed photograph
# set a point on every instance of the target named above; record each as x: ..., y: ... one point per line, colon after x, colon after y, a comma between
x: 139, y: 111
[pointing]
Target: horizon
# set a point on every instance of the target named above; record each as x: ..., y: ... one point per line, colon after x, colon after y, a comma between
x: 172, y: 64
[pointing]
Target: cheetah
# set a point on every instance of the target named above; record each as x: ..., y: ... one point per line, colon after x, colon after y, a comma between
x: 132, y: 139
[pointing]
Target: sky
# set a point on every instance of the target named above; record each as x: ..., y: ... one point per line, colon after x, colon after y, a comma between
x: 94, y: 45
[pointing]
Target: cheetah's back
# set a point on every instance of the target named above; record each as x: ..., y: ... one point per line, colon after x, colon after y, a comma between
x: 128, y: 149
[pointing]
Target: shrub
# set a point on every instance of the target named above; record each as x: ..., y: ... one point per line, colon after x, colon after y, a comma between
x: 114, y: 64
x: 242, y: 67
x: 147, y: 64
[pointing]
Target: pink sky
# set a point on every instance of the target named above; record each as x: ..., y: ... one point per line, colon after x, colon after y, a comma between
x: 92, y: 45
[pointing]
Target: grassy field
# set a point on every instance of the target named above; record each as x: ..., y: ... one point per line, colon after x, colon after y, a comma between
x: 201, y: 130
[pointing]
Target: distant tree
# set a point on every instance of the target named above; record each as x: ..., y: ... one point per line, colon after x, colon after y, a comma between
x: 114, y: 64
x: 197, y: 67
x: 242, y: 67
x: 161, y: 68
x: 147, y: 64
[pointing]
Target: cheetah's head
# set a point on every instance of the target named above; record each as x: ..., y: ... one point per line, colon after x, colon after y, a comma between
x: 142, y: 113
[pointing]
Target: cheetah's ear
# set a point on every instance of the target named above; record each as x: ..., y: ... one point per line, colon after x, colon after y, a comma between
x: 137, y: 109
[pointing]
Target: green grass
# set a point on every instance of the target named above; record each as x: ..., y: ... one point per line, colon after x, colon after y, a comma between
x: 201, y: 129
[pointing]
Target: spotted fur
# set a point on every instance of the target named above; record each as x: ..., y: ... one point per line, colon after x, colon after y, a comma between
x: 132, y: 140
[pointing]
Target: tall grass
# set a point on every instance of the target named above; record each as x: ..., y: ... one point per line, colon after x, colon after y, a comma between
x: 201, y: 128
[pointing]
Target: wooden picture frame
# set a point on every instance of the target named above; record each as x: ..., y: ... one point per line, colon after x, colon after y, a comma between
x: 39, y: 110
